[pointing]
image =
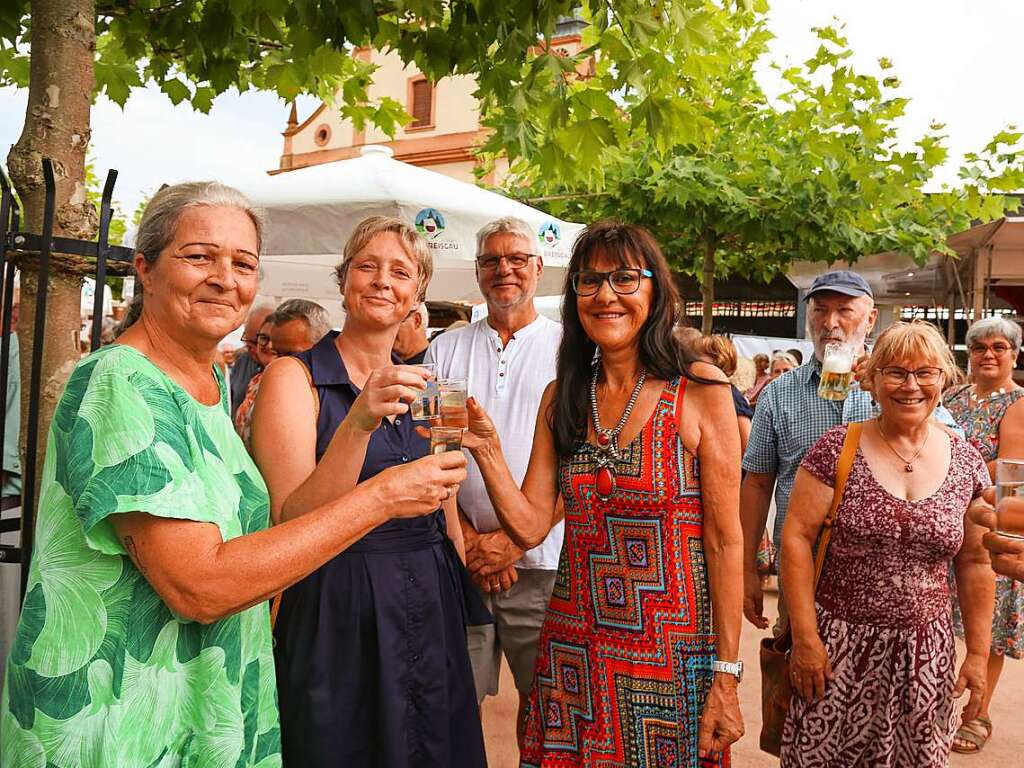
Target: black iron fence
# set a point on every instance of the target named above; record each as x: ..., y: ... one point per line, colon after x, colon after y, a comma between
x: 15, y: 246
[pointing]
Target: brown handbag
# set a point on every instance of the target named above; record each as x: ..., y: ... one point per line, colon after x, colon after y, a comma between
x: 776, y: 689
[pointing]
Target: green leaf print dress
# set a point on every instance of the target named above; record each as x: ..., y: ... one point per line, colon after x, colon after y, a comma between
x: 101, y: 672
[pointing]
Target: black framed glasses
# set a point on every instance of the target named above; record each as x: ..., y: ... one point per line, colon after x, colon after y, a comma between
x: 514, y: 260
x: 926, y: 377
x: 622, y: 281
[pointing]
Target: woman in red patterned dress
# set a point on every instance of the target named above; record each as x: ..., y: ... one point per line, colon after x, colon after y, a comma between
x: 632, y: 669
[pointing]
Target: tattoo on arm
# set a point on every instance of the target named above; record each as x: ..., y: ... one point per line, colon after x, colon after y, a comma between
x: 133, y: 553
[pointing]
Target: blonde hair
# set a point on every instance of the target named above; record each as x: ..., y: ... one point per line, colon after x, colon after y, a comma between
x: 904, y: 341
x: 415, y: 247
x: 721, y: 351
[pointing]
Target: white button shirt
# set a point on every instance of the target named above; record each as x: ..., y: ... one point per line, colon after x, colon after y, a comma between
x: 508, y: 381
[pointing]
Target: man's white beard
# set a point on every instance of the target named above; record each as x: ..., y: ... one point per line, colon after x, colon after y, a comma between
x: 856, y: 339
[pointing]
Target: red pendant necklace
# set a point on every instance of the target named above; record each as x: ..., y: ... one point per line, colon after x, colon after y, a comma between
x: 607, y: 451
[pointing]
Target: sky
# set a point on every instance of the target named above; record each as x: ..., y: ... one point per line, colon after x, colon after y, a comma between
x: 957, y: 61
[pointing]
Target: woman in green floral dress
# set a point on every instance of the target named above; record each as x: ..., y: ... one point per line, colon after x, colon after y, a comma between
x: 991, y: 411
x: 144, y: 640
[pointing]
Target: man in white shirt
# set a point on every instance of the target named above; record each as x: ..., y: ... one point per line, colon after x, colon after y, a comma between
x: 507, y: 358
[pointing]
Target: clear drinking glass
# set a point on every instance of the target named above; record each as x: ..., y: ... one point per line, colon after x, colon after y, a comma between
x: 836, y: 371
x: 453, y: 403
x: 445, y: 439
x: 426, y: 407
x: 1010, y: 498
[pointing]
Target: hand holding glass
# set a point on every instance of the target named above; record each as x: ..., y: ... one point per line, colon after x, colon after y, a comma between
x: 443, y: 439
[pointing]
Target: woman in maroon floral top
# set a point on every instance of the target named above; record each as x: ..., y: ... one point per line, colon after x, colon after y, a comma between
x: 873, y: 660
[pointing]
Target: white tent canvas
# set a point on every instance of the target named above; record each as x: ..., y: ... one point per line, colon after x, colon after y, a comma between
x: 312, y: 211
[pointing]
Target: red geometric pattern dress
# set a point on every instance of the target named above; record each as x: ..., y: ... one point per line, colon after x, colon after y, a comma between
x: 627, y: 645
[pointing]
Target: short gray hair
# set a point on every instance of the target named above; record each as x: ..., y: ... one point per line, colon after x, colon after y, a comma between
x: 316, y: 317
x: 786, y: 358
x: 510, y: 224
x: 997, y: 325
x: 160, y: 219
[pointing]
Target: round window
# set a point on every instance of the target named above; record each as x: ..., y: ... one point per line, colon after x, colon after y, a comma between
x: 322, y: 135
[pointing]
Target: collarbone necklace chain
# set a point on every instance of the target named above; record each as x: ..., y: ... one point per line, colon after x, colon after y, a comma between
x: 608, y: 439
x: 908, y: 464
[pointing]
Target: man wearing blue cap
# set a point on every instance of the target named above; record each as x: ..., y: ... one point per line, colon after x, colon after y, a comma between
x: 790, y: 417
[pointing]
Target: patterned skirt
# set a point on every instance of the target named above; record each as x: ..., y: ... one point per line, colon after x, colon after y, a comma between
x: 890, y: 705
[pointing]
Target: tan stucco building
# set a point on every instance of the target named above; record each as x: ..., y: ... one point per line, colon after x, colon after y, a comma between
x: 443, y: 135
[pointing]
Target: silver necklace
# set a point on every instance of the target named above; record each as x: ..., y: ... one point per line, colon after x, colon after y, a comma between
x: 608, y: 439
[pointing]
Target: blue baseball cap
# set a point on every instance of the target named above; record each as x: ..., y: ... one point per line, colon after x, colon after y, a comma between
x: 840, y: 281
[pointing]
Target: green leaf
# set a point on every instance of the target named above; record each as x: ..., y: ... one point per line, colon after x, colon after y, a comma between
x: 176, y: 91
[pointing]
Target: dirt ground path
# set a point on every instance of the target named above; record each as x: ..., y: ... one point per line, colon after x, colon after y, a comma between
x: 1005, y: 750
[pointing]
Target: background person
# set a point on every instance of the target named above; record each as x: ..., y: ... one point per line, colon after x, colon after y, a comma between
x: 761, y: 363
x: 507, y: 358
x: 991, y: 411
x: 371, y: 656
x: 145, y: 637
x: 873, y: 667
x: 791, y: 417
x: 651, y: 548
x: 782, y: 362
x: 411, y: 342
x: 295, y: 326
x: 247, y: 362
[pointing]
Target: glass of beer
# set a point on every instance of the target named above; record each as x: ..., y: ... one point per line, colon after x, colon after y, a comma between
x: 426, y: 406
x: 1010, y: 498
x: 445, y: 439
x: 836, y: 371
x: 453, y: 403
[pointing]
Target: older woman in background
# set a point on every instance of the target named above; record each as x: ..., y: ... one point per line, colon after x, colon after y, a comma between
x: 144, y: 639
x: 991, y: 411
x: 782, y: 362
x: 372, y: 663
x: 873, y: 660
x: 653, y: 548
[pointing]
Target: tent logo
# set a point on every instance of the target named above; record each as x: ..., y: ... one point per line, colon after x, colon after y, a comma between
x: 430, y: 222
x: 549, y: 233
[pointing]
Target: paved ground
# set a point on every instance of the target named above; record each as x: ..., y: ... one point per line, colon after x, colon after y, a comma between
x: 1005, y: 750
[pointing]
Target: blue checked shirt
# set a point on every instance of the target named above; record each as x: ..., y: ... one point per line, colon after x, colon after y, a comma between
x: 789, y: 419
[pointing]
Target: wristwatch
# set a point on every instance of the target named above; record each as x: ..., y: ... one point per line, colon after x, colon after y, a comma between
x: 729, y: 668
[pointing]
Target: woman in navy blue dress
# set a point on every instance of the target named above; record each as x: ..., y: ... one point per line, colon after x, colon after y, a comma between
x: 372, y: 666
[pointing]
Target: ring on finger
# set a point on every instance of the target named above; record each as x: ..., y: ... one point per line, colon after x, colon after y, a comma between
x: 447, y: 493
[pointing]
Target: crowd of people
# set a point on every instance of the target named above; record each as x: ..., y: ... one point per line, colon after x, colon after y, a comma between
x: 271, y: 567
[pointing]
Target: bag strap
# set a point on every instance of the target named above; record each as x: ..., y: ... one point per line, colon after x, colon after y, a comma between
x: 784, y: 641
x: 843, y: 468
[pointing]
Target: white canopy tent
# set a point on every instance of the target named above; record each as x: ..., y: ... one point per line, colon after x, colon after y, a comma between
x: 312, y: 211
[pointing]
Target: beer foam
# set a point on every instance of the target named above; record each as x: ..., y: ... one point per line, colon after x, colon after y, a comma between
x: 837, y: 364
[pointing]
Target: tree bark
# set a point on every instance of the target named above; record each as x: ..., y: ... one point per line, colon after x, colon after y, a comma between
x: 63, y: 45
x: 707, y: 285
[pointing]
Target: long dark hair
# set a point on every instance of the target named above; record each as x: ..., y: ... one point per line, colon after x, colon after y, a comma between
x: 627, y: 246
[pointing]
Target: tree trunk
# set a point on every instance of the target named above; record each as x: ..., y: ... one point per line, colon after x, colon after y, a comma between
x: 56, y: 126
x: 707, y: 285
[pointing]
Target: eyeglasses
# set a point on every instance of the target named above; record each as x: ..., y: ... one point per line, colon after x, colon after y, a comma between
x: 514, y: 260
x: 263, y: 342
x: 979, y: 350
x: 926, y: 377
x: 622, y: 281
